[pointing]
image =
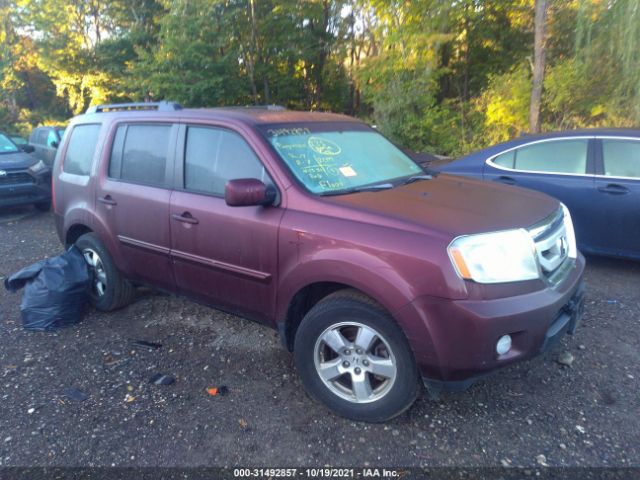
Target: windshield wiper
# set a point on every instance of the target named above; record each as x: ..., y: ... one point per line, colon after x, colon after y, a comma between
x: 364, y: 188
x: 417, y: 178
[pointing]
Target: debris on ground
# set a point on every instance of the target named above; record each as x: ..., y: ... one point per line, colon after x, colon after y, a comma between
x: 222, y: 390
x: 74, y: 394
x: 161, y: 379
x: 129, y: 398
x: 542, y: 460
x: 565, y: 358
x: 144, y: 343
x: 56, y: 291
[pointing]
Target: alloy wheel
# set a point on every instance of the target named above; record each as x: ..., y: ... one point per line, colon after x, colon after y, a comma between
x: 355, y: 362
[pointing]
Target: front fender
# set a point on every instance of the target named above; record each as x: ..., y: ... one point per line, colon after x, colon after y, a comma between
x: 357, y: 269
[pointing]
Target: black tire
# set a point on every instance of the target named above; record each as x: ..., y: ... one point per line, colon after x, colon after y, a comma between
x: 351, y: 306
x: 43, y: 206
x: 118, y: 292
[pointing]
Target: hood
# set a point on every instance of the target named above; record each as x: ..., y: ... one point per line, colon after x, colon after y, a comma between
x: 18, y: 160
x: 455, y: 205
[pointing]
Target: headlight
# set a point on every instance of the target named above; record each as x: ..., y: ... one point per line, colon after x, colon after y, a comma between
x: 572, y: 249
x: 37, y: 167
x: 507, y: 256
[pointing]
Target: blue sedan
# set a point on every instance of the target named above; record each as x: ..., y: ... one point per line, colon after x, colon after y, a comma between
x: 596, y: 173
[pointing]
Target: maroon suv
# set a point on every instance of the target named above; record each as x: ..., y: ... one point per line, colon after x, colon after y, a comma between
x: 376, y: 273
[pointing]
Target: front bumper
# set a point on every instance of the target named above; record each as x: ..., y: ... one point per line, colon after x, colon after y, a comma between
x: 21, y: 187
x: 454, y: 340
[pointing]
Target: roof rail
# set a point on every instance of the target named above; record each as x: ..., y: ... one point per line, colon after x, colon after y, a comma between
x: 163, y: 106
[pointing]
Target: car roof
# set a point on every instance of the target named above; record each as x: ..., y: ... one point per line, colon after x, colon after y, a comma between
x: 247, y: 115
x: 529, y: 138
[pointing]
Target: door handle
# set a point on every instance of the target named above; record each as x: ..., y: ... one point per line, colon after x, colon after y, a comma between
x: 107, y: 200
x: 614, y: 189
x: 505, y: 179
x: 185, y: 218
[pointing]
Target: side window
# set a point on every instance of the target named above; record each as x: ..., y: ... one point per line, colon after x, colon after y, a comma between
x: 506, y: 159
x: 41, y: 136
x: 82, y: 144
x: 621, y: 158
x: 139, y: 154
x: 214, y: 156
x: 559, y: 156
x: 51, y: 138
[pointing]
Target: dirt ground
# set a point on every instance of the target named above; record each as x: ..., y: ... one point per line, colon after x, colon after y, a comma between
x: 532, y: 414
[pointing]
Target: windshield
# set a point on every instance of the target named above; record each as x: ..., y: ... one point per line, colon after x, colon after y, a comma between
x: 6, y: 145
x: 334, y: 158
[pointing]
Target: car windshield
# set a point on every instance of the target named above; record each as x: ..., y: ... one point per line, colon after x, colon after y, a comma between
x: 18, y: 140
x: 6, y: 145
x: 339, y: 158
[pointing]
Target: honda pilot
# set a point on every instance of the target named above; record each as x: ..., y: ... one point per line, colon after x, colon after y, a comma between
x: 378, y: 275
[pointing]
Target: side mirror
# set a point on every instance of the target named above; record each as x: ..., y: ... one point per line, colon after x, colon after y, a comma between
x: 246, y: 192
x: 27, y: 148
x: 54, y: 144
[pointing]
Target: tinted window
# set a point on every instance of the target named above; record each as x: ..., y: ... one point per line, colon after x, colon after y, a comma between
x: 506, y: 159
x: 41, y: 136
x: 51, y: 137
x: 621, y: 158
x: 560, y: 156
x: 214, y: 156
x: 82, y: 145
x: 139, y: 153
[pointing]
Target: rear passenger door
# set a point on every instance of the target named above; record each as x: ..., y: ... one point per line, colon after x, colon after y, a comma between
x: 561, y: 167
x: 617, y: 194
x: 132, y: 199
x: 224, y: 256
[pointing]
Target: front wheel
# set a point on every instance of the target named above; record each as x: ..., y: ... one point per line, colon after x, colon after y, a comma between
x: 353, y: 357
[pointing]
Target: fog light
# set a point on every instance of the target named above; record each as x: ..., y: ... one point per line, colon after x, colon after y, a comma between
x: 503, y: 345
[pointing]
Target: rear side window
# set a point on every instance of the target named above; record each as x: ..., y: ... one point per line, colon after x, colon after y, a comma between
x: 621, y: 158
x: 82, y: 144
x: 559, y: 156
x: 139, y: 154
x: 41, y: 136
x: 506, y: 159
x: 214, y: 156
x: 51, y: 138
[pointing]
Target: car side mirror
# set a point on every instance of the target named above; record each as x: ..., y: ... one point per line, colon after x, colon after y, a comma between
x: 27, y: 148
x: 246, y: 192
x: 54, y: 144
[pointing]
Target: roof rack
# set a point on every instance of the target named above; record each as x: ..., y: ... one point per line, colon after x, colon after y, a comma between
x: 124, y: 107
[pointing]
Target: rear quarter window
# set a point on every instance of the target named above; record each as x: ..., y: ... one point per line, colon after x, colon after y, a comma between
x: 82, y: 144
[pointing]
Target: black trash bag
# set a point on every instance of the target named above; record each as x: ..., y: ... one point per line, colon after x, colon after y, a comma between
x: 57, y: 289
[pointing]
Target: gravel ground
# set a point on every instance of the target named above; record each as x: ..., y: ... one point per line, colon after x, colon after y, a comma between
x: 532, y: 414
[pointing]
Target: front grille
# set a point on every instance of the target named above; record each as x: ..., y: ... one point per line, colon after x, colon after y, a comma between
x: 552, y: 246
x: 13, y: 178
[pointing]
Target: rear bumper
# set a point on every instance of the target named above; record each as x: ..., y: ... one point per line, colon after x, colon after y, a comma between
x: 24, y: 193
x: 454, y: 342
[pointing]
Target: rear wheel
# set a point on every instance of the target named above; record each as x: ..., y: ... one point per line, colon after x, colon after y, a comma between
x: 353, y: 357
x: 109, y: 290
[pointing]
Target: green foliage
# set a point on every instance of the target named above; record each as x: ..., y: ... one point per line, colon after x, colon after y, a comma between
x: 435, y: 75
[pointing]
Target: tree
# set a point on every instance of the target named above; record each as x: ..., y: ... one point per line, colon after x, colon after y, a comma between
x: 538, y: 65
